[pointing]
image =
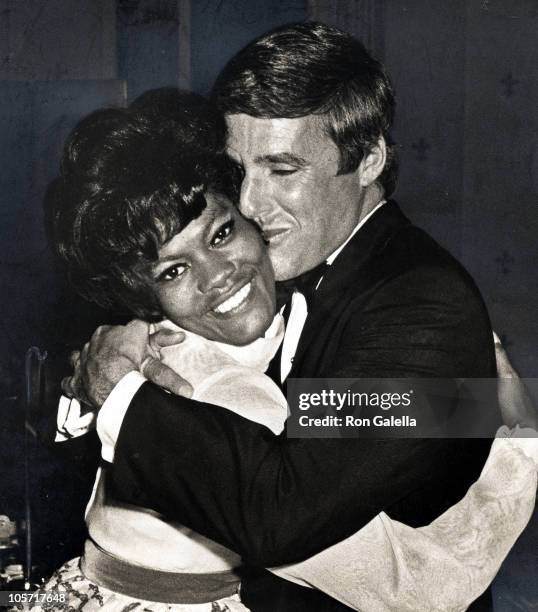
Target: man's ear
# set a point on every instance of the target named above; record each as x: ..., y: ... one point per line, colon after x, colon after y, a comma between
x: 373, y: 162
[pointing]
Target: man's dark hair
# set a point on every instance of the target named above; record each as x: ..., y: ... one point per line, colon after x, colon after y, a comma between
x: 313, y: 69
x: 130, y: 180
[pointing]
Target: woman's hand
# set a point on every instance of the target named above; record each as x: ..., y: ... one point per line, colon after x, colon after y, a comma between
x: 516, y: 405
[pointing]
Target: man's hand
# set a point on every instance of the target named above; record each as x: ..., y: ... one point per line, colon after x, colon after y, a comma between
x: 157, y: 372
x: 516, y: 405
x: 72, y: 386
x: 113, y: 352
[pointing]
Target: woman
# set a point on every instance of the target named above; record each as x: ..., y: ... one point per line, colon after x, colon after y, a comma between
x: 144, y: 220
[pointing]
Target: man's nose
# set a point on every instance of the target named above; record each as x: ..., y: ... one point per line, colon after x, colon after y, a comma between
x: 215, y: 272
x: 251, y: 198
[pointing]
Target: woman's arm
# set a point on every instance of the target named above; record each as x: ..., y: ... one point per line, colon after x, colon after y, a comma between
x: 390, y: 567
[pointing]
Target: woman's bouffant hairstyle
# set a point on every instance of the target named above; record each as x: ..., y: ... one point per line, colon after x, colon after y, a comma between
x: 130, y: 180
x: 314, y: 69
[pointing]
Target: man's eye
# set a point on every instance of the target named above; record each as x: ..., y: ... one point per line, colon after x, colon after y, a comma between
x: 172, y: 273
x: 239, y: 170
x: 223, y: 232
x: 283, y: 171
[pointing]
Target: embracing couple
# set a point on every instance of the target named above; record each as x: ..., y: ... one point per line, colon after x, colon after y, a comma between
x: 184, y: 213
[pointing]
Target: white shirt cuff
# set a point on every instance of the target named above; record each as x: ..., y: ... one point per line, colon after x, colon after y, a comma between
x: 524, y: 438
x: 70, y: 422
x: 112, y: 413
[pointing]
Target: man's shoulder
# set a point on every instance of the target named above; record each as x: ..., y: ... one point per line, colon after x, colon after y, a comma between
x: 411, y: 256
x: 391, y: 263
x: 389, y: 244
x: 413, y: 281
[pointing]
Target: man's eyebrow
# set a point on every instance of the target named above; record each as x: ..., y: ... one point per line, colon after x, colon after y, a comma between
x: 281, y: 158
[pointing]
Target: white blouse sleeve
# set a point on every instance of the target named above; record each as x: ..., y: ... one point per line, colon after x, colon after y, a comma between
x: 246, y: 392
x: 389, y: 566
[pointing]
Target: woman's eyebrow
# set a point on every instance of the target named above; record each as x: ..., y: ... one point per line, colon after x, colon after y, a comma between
x: 282, y: 158
x: 164, y: 260
x: 215, y: 213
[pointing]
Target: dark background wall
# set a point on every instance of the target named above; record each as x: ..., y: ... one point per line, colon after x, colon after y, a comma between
x: 466, y: 76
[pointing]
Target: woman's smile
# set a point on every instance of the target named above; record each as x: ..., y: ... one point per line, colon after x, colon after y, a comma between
x: 236, y: 302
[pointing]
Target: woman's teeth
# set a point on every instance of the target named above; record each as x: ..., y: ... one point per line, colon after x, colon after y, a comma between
x: 236, y: 300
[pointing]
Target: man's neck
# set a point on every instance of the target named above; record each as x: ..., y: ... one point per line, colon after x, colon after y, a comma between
x: 373, y: 201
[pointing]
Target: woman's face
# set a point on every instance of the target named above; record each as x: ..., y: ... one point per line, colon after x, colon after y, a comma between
x: 214, y: 277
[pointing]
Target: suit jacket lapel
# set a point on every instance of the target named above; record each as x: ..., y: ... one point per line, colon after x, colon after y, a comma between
x: 342, y: 281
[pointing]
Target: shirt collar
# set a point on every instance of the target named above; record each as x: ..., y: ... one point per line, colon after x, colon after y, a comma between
x: 334, y: 254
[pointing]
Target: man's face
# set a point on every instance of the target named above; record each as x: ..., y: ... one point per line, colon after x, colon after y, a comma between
x: 291, y: 189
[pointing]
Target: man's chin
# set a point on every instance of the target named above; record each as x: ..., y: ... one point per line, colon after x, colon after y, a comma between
x: 287, y: 270
x: 283, y: 267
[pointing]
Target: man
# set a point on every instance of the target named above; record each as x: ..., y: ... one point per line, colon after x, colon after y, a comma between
x: 308, y: 114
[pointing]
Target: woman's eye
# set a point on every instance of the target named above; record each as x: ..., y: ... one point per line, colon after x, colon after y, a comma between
x: 223, y: 232
x: 172, y: 273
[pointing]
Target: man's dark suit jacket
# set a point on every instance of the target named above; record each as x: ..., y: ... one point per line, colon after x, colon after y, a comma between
x: 393, y: 304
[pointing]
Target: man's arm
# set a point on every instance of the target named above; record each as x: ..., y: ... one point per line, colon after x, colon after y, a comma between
x: 272, y: 499
x: 277, y: 500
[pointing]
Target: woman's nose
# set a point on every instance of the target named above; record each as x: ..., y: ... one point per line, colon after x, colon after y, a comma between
x: 215, y: 272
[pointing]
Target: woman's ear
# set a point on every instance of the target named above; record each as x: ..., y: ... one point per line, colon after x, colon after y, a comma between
x: 373, y: 162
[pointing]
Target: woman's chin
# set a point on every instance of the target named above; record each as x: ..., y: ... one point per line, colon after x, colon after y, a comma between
x: 248, y: 334
x: 244, y: 339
